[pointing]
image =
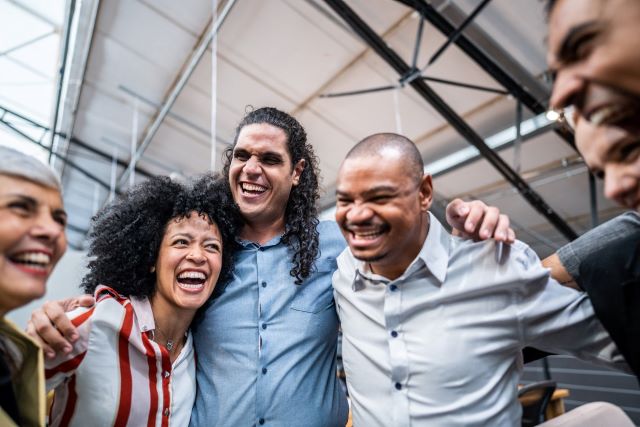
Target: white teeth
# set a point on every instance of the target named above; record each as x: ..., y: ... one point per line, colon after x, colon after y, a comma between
x: 187, y: 286
x: 369, y: 235
x: 33, y: 258
x: 253, y: 187
x: 192, y: 275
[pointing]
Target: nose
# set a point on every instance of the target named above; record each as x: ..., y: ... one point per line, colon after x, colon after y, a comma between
x: 252, y: 166
x: 46, y: 228
x: 618, y: 185
x: 566, y: 89
x: 359, y: 213
x: 196, y: 255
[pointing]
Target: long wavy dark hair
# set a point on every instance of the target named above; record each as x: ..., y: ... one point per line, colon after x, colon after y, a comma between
x: 125, y: 236
x: 301, y: 213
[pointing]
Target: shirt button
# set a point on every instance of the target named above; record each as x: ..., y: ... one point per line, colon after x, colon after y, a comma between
x: 166, y: 374
x: 261, y: 421
x: 393, y: 288
x: 264, y: 370
x: 264, y: 284
x: 394, y: 334
x: 166, y: 412
x: 264, y: 326
x: 398, y: 386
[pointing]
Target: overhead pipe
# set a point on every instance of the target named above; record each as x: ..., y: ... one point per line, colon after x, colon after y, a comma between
x: 401, y: 67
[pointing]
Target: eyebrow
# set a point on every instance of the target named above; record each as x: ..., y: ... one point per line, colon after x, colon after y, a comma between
x: 566, y: 47
x: 371, y: 191
x: 266, y: 153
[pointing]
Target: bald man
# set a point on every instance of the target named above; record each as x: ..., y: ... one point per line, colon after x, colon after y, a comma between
x: 434, y: 325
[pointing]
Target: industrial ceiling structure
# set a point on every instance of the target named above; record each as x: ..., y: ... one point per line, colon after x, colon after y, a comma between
x: 135, y: 77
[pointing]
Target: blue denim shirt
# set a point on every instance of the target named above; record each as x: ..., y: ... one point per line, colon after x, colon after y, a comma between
x: 266, y: 348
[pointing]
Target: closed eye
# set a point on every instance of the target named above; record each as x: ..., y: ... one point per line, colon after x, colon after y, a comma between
x: 215, y: 247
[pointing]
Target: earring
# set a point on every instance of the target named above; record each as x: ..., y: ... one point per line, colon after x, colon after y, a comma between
x: 152, y: 269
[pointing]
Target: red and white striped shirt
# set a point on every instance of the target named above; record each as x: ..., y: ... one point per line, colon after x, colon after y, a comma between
x: 116, y: 375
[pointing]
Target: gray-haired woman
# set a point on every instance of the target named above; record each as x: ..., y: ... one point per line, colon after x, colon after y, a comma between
x: 32, y: 240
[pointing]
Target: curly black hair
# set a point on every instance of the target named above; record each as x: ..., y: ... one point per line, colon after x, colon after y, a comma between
x: 301, y: 213
x: 125, y: 236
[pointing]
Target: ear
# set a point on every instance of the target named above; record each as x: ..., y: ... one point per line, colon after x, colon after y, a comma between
x: 425, y: 192
x: 297, y: 171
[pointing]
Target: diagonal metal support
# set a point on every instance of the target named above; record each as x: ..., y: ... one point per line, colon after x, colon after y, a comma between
x: 521, y: 90
x: 45, y: 130
x: 457, y: 33
x: 401, y: 67
x: 71, y: 164
x: 177, y: 86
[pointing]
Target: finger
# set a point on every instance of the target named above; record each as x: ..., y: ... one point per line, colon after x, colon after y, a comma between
x: 511, y: 236
x: 456, y: 212
x: 476, y: 212
x: 31, y: 331
x: 489, y: 224
x: 56, y: 314
x: 86, y: 301
x: 47, y: 332
x: 501, y: 232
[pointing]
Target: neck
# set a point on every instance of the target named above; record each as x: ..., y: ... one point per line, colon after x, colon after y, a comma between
x: 262, y: 232
x: 398, y: 265
x: 171, y: 324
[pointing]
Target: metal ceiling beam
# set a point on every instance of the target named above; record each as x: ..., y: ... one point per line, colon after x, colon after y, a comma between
x: 71, y: 10
x: 176, y: 88
x: 74, y: 140
x: 75, y: 63
x: 522, y: 89
x: 70, y: 163
x: 401, y: 67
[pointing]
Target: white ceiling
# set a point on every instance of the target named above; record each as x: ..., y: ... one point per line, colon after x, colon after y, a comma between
x: 285, y: 53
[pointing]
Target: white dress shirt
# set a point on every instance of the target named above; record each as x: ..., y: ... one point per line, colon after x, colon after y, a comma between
x: 441, y: 345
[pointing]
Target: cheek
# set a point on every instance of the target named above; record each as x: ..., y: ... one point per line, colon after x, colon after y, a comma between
x: 12, y: 231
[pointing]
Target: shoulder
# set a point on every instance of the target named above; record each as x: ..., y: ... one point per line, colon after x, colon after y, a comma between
x: 331, y: 240
x: 516, y: 262
x: 346, y: 272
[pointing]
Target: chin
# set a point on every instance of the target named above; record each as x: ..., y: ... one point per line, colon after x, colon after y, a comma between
x: 367, y: 257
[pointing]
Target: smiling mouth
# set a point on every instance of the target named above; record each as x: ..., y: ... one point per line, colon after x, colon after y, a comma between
x: 38, y: 262
x: 191, y: 280
x: 252, y: 189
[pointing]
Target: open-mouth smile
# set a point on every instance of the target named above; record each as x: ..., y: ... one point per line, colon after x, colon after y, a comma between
x: 191, y: 280
x: 33, y: 262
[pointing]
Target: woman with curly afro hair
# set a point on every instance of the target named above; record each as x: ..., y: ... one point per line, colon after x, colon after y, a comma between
x: 156, y: 255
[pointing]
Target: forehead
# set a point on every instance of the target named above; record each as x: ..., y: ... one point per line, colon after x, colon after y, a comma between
x: 194, y: 223
x: 262, y: 138
x: 12, y: 185
x: 568, y: 14
x: 363, y: 173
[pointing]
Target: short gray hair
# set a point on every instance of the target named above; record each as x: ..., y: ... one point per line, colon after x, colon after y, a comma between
x: 18, y: 164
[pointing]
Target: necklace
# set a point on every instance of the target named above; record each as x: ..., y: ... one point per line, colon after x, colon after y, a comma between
x: 170, y: 343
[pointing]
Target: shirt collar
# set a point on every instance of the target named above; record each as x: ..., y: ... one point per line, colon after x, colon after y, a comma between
x: 142, y: 310
x: 434, y: 253
x: 249, y: 244
x: 435, y: 250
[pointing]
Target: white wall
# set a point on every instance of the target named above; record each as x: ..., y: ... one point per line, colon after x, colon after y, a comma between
x: 64, y: 282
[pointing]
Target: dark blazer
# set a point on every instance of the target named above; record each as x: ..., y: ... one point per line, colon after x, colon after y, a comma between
x: 611, y: 278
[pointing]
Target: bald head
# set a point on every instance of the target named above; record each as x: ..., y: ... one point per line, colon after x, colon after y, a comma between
x: 391, y: 145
